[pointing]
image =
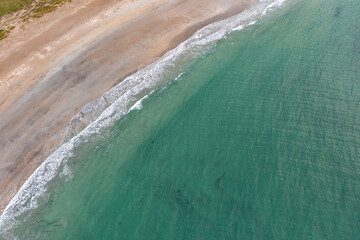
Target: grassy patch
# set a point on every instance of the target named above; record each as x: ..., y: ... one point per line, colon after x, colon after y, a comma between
x: 3, y: 34
x: 46, y: 6
x: 8, y: 6
x: 32, y: 9
x: 36, y: 8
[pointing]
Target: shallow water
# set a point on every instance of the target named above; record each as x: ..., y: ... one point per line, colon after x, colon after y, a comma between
x: 258, y: 139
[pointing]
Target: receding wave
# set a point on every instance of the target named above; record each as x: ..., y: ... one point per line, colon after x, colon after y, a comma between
x: 97, y: 117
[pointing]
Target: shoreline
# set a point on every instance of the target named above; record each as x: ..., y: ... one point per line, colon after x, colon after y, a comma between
x: 146, y: 32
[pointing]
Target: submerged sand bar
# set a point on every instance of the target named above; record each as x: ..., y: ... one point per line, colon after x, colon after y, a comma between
x: 98, y: 43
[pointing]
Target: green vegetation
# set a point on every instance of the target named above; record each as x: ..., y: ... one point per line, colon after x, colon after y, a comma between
x: 32, y: 9
x: 8, y: 6
x: 3, y: 34
x: 44, y: 6
x: 36, y: 8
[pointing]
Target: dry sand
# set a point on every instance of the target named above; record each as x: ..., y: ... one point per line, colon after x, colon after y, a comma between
x: 99, y: 42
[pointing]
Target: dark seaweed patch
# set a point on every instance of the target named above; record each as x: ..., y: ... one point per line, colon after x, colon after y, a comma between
x: 337, y: 12
x: 181, y: 200
x: 218, y: 181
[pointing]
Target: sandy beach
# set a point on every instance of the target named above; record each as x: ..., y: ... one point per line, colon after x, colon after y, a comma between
x: 53, y: 66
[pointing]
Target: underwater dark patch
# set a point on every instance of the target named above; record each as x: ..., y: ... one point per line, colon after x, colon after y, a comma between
x: 337, y: 12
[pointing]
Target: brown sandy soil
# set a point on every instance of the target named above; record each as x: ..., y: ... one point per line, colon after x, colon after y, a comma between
x: 99, y: 42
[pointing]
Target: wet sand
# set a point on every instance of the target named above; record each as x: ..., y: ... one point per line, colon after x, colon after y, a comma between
x: 56, y: 65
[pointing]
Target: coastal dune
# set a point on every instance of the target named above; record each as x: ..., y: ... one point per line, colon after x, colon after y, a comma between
x: 80, y: 52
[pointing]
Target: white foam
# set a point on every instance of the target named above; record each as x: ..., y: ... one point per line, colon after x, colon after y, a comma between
x: 273, y: 5
x: 178, y: 77
x: 239, y: 28
x: 138, y: 104
x: 114, y: 104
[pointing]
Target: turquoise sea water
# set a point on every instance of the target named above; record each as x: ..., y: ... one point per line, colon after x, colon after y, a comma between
x: 258, y: 139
